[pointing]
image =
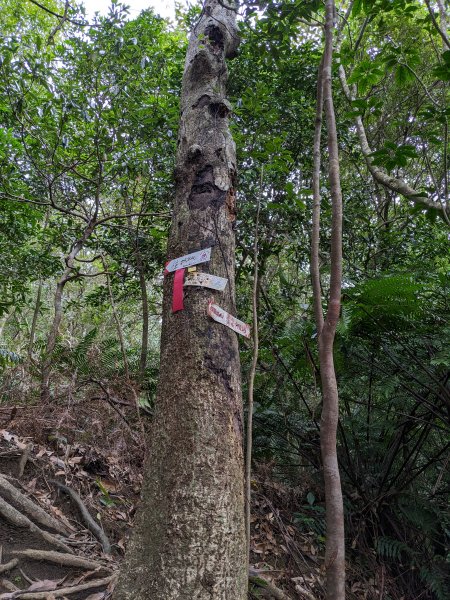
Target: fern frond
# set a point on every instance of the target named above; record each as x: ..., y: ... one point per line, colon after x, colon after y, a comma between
x: 392, y: 549
x: 390, y: 301
x: 436, y: 581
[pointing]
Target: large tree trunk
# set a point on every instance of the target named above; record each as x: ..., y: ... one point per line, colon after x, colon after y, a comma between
x: 189, y: 537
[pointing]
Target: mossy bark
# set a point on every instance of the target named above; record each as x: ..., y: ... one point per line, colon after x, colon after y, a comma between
x: 189, y: 538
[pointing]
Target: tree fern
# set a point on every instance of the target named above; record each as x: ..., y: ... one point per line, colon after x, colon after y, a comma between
x: 75, y: 358
x: 312, y: 519
x: 421, y: 515
x: 81, y: 351
x: 386, y: 301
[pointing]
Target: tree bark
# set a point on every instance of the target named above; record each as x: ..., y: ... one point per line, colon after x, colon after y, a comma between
x: 189, y: 537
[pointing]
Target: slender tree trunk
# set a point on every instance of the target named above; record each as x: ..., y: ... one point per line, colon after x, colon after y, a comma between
x: 442, y: 26
x: 116, y: 320
x: 251, y: 379
x: 4, y: 322
x: 57, y: 315
x: 443, y: 12
x: 335, y: 543
x: 315, y: 235
x: 37, y: 307
x: 326, y: 327
x: 188, y: 541
x: 52, y: 336
x: 145, y: 316
x: 144, y: 295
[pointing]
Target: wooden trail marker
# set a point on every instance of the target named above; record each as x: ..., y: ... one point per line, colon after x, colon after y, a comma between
x: 179, y: 265
x: 206, y: 280
x: 195, y: 258
x: 221, y: 316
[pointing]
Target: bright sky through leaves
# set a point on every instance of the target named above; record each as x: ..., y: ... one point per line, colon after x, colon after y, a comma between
x: 166, y: 8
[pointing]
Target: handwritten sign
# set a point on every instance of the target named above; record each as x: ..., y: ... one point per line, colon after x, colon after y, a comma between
x: 221, y: 316
x: 195, y: 258
x: 206, y: 280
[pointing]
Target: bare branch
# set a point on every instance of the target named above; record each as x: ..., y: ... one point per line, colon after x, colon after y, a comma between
x: 393, y: 183
x: 442, y: 33
x: 51, y: 12
x: 158, y: 215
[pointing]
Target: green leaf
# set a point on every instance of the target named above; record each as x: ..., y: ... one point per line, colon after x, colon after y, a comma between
x: 442, y: 72
x: 357, y: 7
x: 403, y: 75
x: 310, y: 498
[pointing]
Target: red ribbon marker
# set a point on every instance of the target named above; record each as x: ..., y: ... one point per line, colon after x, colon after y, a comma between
x: 177, y: 297
x: 165, y: 270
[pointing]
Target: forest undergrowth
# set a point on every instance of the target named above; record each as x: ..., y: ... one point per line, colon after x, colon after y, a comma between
x: 95, y: 446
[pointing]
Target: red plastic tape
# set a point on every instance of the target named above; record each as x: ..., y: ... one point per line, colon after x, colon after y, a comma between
x: 165, y: 265
x: 177, y: 298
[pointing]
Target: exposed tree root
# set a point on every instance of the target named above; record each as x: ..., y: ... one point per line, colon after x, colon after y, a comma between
x: 274, y: 591
x: 87, y: 518
x: 24, y: 595
x: 9, y: 565
x: 19, y: 520
x: 38, y: 514
x: 59, y: 558
x: 8, y: 585
x: 25, y: 576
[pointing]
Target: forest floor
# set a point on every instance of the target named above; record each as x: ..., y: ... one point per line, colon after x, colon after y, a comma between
x: 40, y: 450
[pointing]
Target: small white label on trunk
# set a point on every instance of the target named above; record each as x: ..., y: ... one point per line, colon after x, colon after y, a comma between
x: 206, y: 280
x: 221, y: 316
x: 195, y: 258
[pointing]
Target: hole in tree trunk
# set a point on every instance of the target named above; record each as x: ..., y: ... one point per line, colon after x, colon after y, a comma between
x: 215, y: 38
x: 204, y: 192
